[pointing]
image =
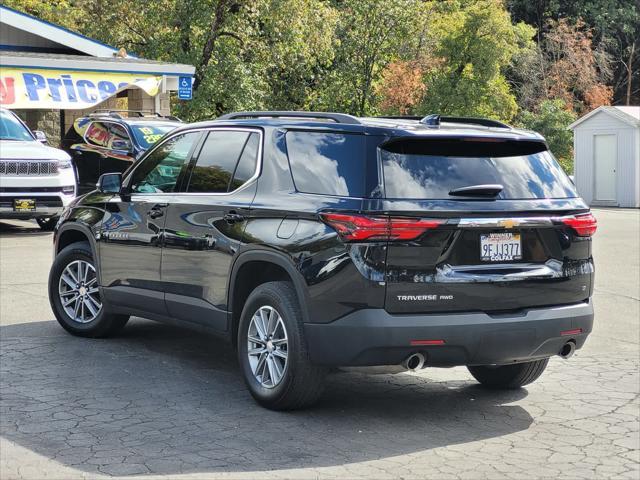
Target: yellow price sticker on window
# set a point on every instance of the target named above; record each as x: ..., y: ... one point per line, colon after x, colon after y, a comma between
x: 152, y: 138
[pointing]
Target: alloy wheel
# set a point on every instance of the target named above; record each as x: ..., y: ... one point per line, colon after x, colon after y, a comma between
x: 78, y: 291
x: 267, y: 346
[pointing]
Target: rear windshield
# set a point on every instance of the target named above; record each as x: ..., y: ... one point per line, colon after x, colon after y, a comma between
x: 327, y: 163
x: 431, y: 171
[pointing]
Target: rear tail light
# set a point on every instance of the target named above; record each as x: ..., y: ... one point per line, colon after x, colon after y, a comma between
x: 584, y: 225
x: 354, y: 228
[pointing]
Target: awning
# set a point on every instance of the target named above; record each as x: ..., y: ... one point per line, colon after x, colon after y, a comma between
x: 53, y: 81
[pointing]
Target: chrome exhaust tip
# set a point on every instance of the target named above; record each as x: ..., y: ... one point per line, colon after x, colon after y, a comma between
x: 568, y: 349
x: 414, y: 362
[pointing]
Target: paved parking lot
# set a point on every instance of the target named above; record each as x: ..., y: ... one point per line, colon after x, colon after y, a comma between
x: 161, y: 401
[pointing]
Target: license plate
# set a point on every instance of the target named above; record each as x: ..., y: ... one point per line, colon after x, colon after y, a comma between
x: 24, y: 205
x: 500, y: 247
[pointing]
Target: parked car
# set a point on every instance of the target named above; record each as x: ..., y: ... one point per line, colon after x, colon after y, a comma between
x: 36, y: 180
x: 317, y: 240
x: 109, y: 141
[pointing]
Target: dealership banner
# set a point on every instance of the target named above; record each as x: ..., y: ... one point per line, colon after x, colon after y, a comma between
x: 67, y: 89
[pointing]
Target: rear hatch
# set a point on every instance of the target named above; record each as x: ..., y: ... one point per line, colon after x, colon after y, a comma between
x: 497, y: 226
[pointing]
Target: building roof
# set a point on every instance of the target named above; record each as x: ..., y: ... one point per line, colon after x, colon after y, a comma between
x: 28, y: 32
x: 18, y: 59
x: 627, y: 114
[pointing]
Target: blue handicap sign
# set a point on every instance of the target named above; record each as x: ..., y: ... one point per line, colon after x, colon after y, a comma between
x: 184, y: 88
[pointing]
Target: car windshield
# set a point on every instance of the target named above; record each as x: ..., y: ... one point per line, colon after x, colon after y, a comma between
x: 12, y: 129
x: 148, y: 134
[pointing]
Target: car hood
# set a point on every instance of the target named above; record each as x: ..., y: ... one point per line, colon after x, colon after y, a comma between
x: 30, y: 150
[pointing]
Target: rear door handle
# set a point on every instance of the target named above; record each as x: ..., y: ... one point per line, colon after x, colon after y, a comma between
x: 157, y: 210
x: 233, y: 217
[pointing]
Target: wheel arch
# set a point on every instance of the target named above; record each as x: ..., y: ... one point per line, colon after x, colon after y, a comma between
x: 69, y: 233
x: 253, y: 268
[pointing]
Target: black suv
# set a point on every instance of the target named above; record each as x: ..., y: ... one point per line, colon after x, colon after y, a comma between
x: 109, y: 141
x: 316, y: 240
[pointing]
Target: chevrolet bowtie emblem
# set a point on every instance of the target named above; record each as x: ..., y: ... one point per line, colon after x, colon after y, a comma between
x: 509, y: 223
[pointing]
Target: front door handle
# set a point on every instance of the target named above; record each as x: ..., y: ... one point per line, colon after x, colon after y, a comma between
x: 233, y: 217
x: 157, y: 210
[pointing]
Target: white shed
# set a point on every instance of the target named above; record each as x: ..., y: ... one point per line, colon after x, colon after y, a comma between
x: 606, y: 144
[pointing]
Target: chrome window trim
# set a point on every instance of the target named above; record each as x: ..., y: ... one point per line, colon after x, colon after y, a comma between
x: 252, y: 179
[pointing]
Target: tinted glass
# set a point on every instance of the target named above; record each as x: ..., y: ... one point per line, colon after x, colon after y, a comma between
x: 160, y: 170
x: 327, y: 163
x: 536, y: 175
x: 11, y: 128
x: 247, y: 165
x: 108, y: 135
x: 148, y: 134
x: 217, y: 161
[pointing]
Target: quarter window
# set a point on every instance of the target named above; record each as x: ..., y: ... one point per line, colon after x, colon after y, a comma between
x: 327, y: 163
x: 226, y: 161
x: 160, y: 171
x: 108, y: 135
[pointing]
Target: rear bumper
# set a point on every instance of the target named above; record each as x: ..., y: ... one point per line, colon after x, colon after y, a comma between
x: 375, y: 337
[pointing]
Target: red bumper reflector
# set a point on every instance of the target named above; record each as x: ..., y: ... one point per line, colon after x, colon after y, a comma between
x: 416, y: 343
x: 575, y: 331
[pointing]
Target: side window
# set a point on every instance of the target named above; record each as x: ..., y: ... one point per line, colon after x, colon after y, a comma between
x: 108, y: 135
x: 222, y: 155
x: 247, y: 164
x: 118, y: 138
x: 327, y: 163
x: 159, y: 171
x: 97, y: 134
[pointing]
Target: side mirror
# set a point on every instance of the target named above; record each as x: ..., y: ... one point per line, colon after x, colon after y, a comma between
x: 40, y: 136
x: 110, y: 183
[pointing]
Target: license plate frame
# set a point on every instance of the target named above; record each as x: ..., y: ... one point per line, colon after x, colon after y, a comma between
x: 24, y: 205
x: 500, y: 247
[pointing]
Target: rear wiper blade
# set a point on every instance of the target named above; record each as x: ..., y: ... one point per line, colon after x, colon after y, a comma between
x: 488, y: 190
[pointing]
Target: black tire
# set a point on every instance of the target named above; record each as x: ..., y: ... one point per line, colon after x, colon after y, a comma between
x: 509, y: 377
x: 105, y: 323
x: 302, y: 382
x: 47, y: 224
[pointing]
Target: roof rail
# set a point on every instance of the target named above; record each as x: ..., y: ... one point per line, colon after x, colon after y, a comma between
x: 336, y: 117
x: 138, y: 113
x: 116, y: 113
x: 434, y: 120
x: 400, y: 117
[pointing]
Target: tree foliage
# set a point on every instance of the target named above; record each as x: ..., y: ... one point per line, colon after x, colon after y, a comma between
x: 539, y: 62
x: 615, y: 27
x: 551, y: 121
x: 477, y: 42
x: 369, y: 35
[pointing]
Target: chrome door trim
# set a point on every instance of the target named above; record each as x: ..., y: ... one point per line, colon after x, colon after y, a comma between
x: 505, y: 222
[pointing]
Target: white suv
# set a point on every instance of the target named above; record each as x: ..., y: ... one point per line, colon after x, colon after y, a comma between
x: 36, y: 181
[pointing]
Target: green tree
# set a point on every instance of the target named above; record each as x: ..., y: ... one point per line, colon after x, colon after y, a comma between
x: 552, y: 121
x: 616, y: 31
x: 477, y: 42
x: 369, y: 35
x: 248, y: 54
